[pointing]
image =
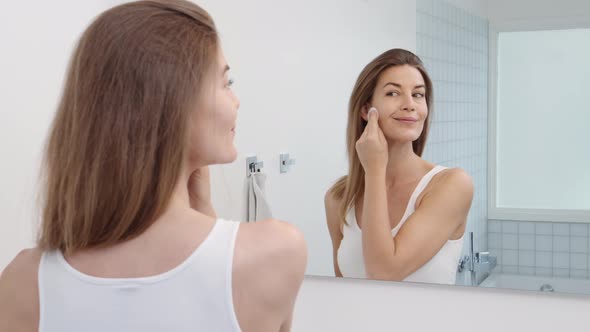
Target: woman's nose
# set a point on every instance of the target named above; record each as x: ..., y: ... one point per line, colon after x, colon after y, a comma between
x: 408, y: 103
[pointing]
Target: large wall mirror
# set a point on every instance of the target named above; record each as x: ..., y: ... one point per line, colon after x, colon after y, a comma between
x: 507, y: 109
x: 497, y: 194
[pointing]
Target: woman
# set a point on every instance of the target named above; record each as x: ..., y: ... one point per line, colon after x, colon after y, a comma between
x: 412, y: 213
x: 129, y: 240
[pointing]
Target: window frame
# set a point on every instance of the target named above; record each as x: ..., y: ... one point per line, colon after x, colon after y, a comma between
x: 521, y: 214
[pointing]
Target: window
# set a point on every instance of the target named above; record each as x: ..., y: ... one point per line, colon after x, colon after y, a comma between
x: 540, y: 125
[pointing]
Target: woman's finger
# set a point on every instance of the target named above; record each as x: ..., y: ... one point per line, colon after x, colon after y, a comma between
x: 373, y: 123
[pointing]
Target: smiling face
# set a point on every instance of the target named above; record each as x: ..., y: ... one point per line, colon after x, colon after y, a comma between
x: 400, y: 98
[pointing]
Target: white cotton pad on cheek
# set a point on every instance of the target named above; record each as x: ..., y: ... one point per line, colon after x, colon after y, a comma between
x: 372, y: 109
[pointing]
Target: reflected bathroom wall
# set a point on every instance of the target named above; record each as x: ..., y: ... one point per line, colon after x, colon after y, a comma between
x: 453, y: 43
x: 540, y: 248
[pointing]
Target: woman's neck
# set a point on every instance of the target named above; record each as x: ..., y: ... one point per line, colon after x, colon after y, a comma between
x: 403, y: 165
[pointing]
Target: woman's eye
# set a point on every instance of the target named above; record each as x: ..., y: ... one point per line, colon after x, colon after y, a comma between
x: 393, y: 93
x: 419, y: 95
x: 230, y: 82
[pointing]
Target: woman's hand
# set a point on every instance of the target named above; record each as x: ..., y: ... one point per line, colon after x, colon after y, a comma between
x: 371, y: 147
x: 199, y: 191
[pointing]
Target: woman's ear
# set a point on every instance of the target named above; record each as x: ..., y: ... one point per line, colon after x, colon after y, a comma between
x: 365, y: 112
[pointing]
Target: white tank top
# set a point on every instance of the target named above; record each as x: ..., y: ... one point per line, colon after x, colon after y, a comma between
x: 441, y: 269
x: 194, y: 296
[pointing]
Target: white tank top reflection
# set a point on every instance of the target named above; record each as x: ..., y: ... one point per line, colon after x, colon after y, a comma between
x: 441, y: 269
x: 194, y: 296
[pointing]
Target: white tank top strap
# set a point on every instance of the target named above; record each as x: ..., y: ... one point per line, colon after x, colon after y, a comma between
x: 351, y: 220
x: 411, y: 208
x: 424, y: 182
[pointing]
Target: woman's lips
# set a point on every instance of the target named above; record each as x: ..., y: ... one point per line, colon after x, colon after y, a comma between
x: 406, y: 120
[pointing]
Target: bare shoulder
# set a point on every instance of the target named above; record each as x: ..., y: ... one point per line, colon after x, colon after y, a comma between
x: 330, y: 200
x: 331, y: 205
x: 21, y: 272
x: 274, y: 242
x: 275, y: 250
x: 451, y: 189
x: 19, y: 295
x: 269, y: 264
x: 455, y: 182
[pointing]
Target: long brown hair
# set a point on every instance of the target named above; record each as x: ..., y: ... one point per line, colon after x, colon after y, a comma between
x: 350, y: 187
x: 117, y: 143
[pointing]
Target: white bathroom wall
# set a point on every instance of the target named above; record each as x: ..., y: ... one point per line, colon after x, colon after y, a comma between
x: 295, y: 67
x: 37, y: 39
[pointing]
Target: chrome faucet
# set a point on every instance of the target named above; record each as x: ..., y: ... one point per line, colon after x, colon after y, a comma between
x: 479, y: 262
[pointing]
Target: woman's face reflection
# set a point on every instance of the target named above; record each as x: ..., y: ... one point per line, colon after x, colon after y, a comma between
x: 400, y: 98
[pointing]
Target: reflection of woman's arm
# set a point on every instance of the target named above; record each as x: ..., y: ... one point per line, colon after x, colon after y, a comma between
x: 331, y: 206
x: 378, y: 247
x: 442, y: 211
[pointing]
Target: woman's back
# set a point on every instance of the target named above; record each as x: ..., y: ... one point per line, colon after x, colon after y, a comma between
x: 199, y: 281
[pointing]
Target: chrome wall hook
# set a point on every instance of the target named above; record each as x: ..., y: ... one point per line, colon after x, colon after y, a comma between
x: 285, y: 162
x: 253, y: 165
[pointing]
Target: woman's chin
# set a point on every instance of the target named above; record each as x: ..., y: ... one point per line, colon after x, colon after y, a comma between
x: 230, y: 156
x: 397, y: 139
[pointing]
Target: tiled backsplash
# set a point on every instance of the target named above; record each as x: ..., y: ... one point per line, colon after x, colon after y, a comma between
x: 540, y: 248
x: 453, y: 44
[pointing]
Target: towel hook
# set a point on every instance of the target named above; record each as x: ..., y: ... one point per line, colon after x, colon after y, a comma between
x: 285, y: 162
x: 253, y: 165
